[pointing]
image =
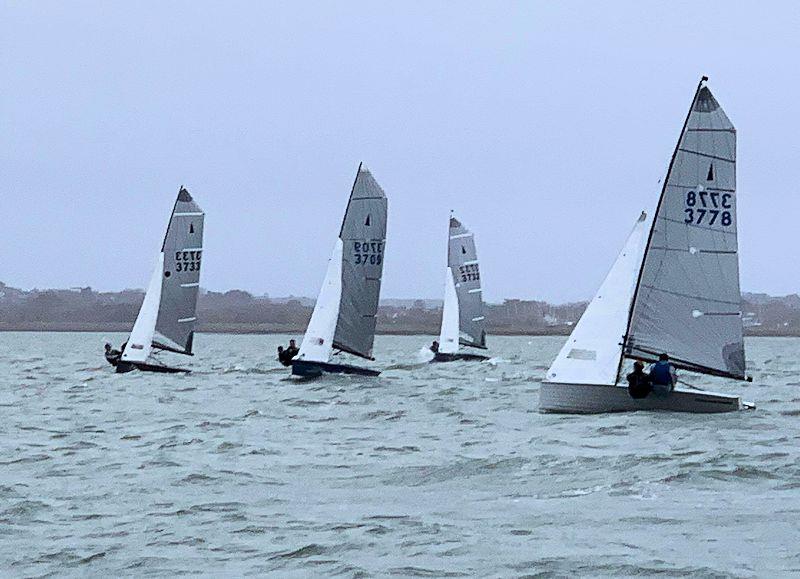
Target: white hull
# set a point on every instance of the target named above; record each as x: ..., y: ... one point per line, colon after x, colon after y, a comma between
x: 598, y: 399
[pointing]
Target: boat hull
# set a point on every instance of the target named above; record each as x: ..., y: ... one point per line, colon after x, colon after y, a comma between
x: 598, y: 399
x: 125, y: 367
x: 442, y: 357
x: 309, y: 369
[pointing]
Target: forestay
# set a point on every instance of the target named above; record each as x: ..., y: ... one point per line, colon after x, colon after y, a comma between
x: 688, y: 300
x: 592, y: 353
x: 168, y: 314
x: 462, y: 260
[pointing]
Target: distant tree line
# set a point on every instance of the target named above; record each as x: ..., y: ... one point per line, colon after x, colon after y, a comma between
x: 236, y: 311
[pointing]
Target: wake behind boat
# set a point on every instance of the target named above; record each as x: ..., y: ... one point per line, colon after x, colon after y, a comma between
x: 167, y: 317
x: 673, y: 289
x: 463, y: 322
x: 345, y: 313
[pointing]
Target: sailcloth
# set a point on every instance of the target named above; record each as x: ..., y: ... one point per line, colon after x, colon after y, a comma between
x: 688, y: 302
x: 463, y: 315
x: 592, y: 353
x: 167, y: 317
x: 346, y: 311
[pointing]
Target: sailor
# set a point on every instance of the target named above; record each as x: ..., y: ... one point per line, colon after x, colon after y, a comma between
x: 112, y: 355
x: 285, y: 355
x: 292, y: 350
x: 435, y: 347
x: 639, y: 384
x: 663, y: 377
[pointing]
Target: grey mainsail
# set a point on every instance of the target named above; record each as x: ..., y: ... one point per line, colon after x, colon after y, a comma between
x: 363, y: 236
x: 182, y: 249
x: 462, y: 260
x: 687, y: 302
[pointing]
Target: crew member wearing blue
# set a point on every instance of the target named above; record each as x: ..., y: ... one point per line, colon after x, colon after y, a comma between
x: 662, y: 376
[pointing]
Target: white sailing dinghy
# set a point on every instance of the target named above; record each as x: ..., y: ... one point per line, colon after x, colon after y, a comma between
x: 167, y: 317
x: 346, y: 311
x: 462, y: 316
x: 673, y: 289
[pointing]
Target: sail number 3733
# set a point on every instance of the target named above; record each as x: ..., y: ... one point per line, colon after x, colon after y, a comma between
x: 469, y: 272
x: 368, y: 252
x: 708, y: 208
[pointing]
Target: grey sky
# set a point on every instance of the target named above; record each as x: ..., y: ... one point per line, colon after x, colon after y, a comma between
x: 546, y: 126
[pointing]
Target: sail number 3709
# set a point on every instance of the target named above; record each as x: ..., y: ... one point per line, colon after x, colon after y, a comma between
x: 368, y: 252
x: 708, y: 208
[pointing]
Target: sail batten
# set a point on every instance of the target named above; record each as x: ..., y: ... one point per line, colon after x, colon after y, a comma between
x: 690, y: 264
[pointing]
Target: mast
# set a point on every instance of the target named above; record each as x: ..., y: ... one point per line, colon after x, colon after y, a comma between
x: 653, y: 224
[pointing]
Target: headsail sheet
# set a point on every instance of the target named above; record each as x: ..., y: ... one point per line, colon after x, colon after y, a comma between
x: 688, y: 302
x: 363, y: 237
x: 462, y: 259
x: 183, y: 252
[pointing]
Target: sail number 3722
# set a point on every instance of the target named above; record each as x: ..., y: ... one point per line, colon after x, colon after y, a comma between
x: 708, y: 208
x: 368, y: 252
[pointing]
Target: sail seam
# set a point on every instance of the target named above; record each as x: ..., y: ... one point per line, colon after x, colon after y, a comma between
x: 704, y: 188
x: 682, y: 250
x: 682, y: 295
x: 711, y: 131
x: 699, y: 154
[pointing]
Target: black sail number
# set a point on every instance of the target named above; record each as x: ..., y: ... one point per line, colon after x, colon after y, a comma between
x: 709, y: 208
x: 469, y: 272
x: 188, y: 260
x: 368, y: 252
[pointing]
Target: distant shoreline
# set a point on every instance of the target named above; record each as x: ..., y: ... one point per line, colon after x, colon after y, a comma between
x: 272, y: 329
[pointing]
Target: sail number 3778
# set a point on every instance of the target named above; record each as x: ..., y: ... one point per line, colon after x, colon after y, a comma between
x: 708, y: 208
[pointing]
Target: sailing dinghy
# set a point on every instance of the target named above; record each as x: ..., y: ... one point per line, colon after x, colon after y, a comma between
x: 344, y: 316
x: 674, y: 287
x: 462, y: 316
x: 167, y: 317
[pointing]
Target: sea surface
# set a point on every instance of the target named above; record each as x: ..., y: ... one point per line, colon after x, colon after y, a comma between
x: 430, y: 470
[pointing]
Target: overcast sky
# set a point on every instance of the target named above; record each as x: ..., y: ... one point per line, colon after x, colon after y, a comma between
x: 546, y: 126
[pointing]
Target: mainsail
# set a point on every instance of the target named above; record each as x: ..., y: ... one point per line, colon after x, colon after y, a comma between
x: 167, y: 317
x: 344, y: 316
x: 687, y: 303
x: 463, y: 299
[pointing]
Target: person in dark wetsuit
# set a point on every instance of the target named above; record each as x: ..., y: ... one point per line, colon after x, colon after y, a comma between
x: 286, y: 355
x: 639, y: 384
x: 435, y: 347
x: 663, y: 377
x: 112, y: 355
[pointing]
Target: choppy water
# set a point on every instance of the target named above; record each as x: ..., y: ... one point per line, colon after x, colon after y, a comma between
x: 427, y: 471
